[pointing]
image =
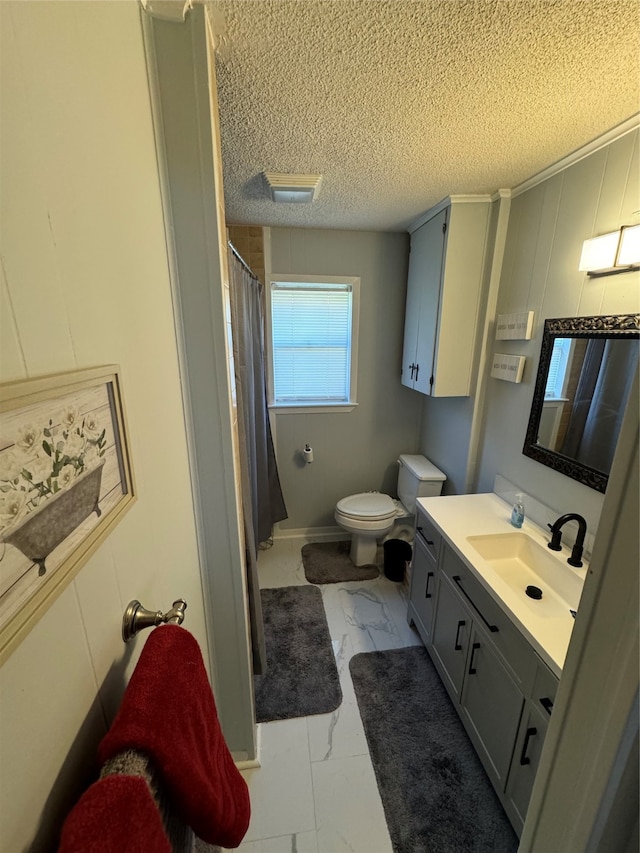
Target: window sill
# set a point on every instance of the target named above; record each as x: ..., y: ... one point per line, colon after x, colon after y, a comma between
x: 311, y: 409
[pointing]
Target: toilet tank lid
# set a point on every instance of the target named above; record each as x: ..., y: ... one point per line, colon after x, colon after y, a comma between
x: 421, y: 467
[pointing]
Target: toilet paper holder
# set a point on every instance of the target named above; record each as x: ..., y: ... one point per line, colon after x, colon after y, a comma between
x: 308, y: 453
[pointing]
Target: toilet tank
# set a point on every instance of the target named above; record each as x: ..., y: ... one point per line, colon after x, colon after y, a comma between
x: 417, y: 478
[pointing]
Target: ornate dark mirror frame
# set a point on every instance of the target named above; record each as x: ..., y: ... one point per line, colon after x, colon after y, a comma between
x: 615, y: 326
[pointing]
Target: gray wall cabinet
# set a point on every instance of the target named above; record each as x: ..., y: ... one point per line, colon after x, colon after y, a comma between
x: 501, y: 689
x: 444, y: 284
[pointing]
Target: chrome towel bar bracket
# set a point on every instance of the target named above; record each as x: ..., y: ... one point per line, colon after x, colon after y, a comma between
x: 136, y: 617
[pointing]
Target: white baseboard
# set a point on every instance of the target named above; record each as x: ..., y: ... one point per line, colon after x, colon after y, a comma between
x: 316, y: 534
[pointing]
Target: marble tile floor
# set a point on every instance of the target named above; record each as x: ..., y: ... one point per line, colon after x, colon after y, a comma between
x: 315, y: 791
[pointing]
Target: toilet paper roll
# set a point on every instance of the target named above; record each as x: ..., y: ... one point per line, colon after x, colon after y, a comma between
x: 308, y: 454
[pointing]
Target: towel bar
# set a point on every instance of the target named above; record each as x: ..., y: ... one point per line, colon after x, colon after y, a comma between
x: 136, y: 617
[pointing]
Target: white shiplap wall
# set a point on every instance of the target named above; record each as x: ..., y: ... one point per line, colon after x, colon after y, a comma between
x: 547, y: 226
x: 85, y: 282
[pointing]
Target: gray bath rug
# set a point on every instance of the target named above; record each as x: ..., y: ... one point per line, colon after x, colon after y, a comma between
x: 436, y: 795
x: 301, y: 676
x: 329, y: 562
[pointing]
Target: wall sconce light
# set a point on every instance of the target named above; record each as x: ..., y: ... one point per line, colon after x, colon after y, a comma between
x: 615, y: 252
x: 293, y: 189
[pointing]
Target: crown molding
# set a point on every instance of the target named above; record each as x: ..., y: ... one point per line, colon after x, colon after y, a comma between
x: 448, y: 201
x: 607, y: 138
x: 174, y: 11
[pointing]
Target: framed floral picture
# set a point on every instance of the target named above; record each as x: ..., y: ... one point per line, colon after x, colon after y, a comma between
x: 66, y: 479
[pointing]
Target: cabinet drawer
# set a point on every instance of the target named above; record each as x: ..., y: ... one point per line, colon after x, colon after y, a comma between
x: 545, y: 688
x: 428, y: 535
x: 506, y: 638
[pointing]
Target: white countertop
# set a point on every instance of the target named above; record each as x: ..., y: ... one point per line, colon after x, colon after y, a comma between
x: 460, y: 516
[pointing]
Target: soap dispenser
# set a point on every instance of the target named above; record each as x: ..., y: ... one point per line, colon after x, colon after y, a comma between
x: 517, y: 513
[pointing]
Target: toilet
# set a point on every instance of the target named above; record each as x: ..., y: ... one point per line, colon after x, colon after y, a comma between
x: 371, y: 517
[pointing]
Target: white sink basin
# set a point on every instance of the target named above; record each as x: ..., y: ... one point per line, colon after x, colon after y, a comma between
x: 521, y: 562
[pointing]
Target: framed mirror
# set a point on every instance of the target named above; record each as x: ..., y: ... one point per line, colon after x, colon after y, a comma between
x: 586, y: 368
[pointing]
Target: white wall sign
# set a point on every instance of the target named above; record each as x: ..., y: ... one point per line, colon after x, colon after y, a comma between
x: 514, y: 327
x: 508, y: 367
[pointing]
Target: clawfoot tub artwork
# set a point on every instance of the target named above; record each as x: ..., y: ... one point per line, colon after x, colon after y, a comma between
x: 65, y: 480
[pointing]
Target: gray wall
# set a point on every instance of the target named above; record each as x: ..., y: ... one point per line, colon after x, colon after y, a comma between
x: 547, y: 226
x: 445, y: 438
x: 358, y: 450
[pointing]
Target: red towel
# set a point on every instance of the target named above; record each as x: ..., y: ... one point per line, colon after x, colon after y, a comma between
x: 117, y: 814
x: 169, y: 713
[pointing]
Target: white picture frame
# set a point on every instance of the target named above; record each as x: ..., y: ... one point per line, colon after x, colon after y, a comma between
x: 66, y: 479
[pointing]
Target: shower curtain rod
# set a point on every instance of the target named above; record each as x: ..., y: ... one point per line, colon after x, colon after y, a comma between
x: 241, y: 259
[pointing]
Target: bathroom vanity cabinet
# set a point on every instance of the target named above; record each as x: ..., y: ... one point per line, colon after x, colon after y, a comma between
x: 502, y: 690
x: 444, y: 287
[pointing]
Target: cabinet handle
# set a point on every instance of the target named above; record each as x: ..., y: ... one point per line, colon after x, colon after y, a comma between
x: 417, y: 369
x: 421, y: 532
x: 427, y: 594
x: 547, y: 704
x: 457, y: 647
x: 524, y: 759
x: 492, y: 628
x: 412, y: 367
x: 472, y: 670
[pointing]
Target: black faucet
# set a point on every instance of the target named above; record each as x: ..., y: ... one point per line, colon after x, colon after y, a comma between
x: 556, y: 531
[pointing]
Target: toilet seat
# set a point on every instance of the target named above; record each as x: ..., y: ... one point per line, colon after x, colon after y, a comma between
x: 369, y: 506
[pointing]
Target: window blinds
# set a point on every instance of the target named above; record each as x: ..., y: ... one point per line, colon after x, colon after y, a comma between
x: 557, y: 367
x: 311, y: 340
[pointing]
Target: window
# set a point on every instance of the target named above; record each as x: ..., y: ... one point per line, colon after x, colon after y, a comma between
x: 313, y: 341
x: 558, y: 368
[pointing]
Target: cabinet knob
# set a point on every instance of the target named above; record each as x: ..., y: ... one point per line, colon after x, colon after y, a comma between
x: 474, y: 648
x: 547, y: 704
x: 427, y: 594
x: 524, y: 758
x: 458, y: 581
x: 421, y: 531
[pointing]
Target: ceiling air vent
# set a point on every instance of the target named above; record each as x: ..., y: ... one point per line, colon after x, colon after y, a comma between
x: 293, y: 189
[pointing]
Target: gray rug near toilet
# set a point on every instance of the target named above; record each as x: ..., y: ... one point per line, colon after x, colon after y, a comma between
x: 329, y: 562
x: 301, y: 677
x: 436, y: 795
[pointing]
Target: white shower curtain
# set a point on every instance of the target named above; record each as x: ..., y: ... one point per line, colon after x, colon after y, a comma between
x: 262, y: 499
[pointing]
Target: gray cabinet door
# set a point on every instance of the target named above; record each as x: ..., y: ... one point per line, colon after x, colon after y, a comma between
x: 491, y: 705
x: 423, y: 588
x: 526, y: 758
x: 423, y: 300
x: 451, y: 636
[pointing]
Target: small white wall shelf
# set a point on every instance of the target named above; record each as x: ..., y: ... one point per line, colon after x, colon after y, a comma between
x: 514, y: 327
x: 508, y: 367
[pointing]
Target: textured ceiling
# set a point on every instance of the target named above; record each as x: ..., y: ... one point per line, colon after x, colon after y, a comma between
x: 400, y: 103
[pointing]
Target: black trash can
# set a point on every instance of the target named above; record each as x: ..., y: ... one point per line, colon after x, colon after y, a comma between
x: 397, y: 553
